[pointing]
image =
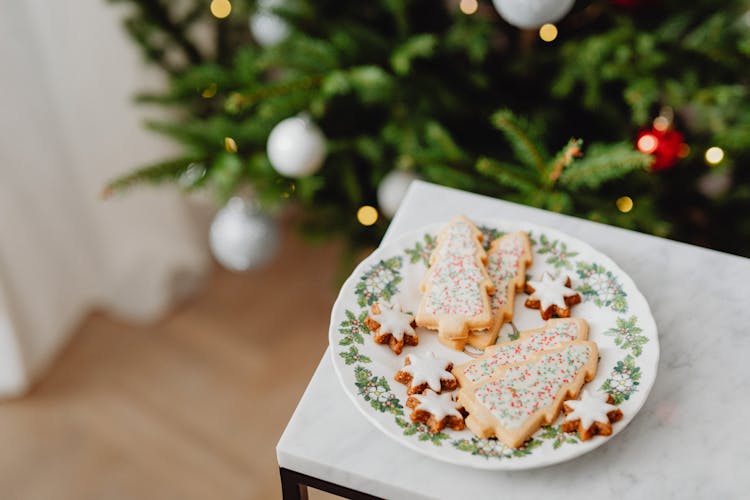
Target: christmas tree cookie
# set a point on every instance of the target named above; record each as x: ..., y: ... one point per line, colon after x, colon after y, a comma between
x: 518, y: 399
x: 550, y: 336
x: 456, y: 290
x: 507, y: 260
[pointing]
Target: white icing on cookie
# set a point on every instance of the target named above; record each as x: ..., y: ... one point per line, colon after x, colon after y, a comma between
x: 427, y: 369
x: 393, y: 320
x: 551, y: 291
x: 439, y: 405
x: 592, y: 407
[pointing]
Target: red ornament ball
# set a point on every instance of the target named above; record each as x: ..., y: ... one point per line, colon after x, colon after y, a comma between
x: 666, y: 146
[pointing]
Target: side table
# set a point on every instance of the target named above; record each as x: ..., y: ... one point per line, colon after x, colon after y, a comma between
x: 688, y: 441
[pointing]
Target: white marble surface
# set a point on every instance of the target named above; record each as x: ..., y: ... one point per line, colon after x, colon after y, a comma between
x: 689, y: 441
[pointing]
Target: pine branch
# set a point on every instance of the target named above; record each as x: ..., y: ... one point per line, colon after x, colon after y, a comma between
x: 563, y: 159
x: 506, y: 175
x: 526, y: 146
x: 418, y: 46
x: 603, y: 163
x: 448, y: 176
x: 156, y: 53
x: 225, y: 175
x: 438, y: 137
x: 240, y: 101
x: 193, y: 135
x: 159, y: 15
x: 157, y: 173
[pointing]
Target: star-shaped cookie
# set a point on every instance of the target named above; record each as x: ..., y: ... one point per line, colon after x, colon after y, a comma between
x: 553, y: 296
x: 392, y: 326
x: 421, y: 372
x: 593, y: 414
x: 436, y: 411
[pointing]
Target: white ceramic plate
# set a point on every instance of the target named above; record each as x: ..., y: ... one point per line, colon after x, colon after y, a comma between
x: 619, y: 318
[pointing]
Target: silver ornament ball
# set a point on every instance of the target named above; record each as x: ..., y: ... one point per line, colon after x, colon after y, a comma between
x: 392, y: 190
x: 241, y: 238
x: 531, y: 14
x: 296, y: 147
x: 268, y: 28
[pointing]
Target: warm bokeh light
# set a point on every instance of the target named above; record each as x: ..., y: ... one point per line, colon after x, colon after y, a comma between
x: 230, y: 145
x: 209, y: 91
x: 220, y: 8
x: 714, y: 155
x: 367, y: 215
x: 661, y: 123
x: 684, y: 151
x: 624, y: 204
x: 548, y: 32
x: 468, y: 6
x: 648, y: 143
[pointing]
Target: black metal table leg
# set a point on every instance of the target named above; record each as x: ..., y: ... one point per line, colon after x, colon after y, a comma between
x: 294, y: 487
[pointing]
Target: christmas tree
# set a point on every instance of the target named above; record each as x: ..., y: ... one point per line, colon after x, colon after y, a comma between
x: 628, y: 112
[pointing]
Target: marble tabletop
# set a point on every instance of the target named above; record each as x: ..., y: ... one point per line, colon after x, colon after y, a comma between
x: 690, y: 440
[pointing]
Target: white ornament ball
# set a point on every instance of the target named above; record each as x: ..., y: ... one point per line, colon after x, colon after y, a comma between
x: 532, y: 13
x: 392, y: 190
x: 296, y: 147
x: 268, y: 28
x: 241, y: 238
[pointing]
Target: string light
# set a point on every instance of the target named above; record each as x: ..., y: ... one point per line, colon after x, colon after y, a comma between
x: 367, y: 215
x: 661, y: 123
x: 647, y: 143
x: 468, y: 7
x: 714, y: 155
x: 548, y: 32
x: 230, y: 145
x: 220, y: 8
x: 209, y: 91
x: 624, y: 204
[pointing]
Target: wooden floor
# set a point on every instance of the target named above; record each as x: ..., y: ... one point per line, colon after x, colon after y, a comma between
x: 190, y: 408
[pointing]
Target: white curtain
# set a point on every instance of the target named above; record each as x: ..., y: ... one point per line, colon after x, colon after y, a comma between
x: 67, y: 125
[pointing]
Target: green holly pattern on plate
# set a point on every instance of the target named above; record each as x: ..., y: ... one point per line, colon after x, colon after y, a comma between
x: 353, y: 356
x: 558, y: 436
x: 380, y: 282
x: 623, y: 381
x: 422, y: 250
x: 556, y: 253
x: 421, y: 431
x: 492, y: 448
x: 376, y: 391
x: 601, y: 286
x: 628, y: 336
x: 353, y: 328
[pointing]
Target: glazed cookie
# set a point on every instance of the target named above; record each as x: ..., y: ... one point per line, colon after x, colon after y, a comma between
x: 436, y: 411
x: 593, y: 414
x: 550, y: 336
x: 553, y: 296
x: 391, y: 325
x: 421, y: 372
x: 507, y: 260
x: 520, y: 398
x: 456, y: 290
